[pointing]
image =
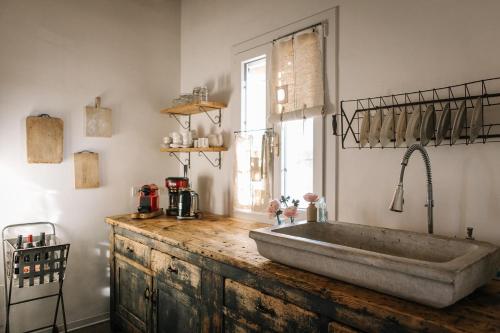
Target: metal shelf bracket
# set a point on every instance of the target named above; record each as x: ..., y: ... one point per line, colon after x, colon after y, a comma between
x: 186, y: 162
x: 216, y: 163
x: 216, y: 120
x: 185, y: 125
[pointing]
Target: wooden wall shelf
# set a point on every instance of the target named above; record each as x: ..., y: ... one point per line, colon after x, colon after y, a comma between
x: 193, y: 150
x: 194, y: 108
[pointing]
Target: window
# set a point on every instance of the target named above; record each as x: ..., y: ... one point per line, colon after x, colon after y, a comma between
x: 253, y: 109
x: 281, y: 89
x: 297, y: 159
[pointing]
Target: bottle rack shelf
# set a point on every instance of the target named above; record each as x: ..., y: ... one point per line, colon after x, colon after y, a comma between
x: 487, y: 90
x: 32, y: 267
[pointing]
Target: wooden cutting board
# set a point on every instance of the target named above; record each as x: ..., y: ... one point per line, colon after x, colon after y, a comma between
x: 98, y: 120
x: 86, y: 169
x: 44, y: 139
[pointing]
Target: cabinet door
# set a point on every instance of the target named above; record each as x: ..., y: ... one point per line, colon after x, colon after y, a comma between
x: 133, y: 288
x: 175, y: 311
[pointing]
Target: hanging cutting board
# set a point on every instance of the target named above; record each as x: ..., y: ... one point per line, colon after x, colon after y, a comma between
x: 44, y: 139
x: 98, y: 120
x: 86, y: 169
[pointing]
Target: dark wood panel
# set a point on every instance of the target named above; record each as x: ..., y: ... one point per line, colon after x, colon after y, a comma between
x: 175, y: 311
x: 335, y: 327
x: 212, y: 301
x: 268, y: 311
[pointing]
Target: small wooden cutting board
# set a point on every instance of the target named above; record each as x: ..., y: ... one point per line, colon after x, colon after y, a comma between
x: 98, y: 120
x: 44, y: 139
x: 86, y: 169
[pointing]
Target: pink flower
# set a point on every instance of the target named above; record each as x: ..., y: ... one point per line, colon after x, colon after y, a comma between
x: 311, y: 197
x: 291, y: 212
x: 272, y: 208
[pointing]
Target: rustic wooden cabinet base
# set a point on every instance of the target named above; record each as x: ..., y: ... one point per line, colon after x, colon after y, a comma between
x: 206, y: 276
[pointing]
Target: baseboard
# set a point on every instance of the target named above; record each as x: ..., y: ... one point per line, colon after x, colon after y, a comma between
x: 74, y: 325
x: 81, y: 323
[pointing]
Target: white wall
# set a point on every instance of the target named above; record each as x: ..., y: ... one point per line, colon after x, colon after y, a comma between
x: 385, y: 47
x: 56, y: 56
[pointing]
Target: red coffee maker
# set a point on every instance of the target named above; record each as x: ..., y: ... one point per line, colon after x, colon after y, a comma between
x: 148, y: 199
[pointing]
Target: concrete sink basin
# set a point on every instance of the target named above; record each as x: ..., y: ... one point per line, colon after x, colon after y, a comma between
x: 428, y: 269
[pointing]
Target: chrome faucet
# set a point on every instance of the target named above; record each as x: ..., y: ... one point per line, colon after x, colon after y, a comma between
x: 398, y: 200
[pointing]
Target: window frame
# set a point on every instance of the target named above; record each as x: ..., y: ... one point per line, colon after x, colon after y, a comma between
x: 325, y: 183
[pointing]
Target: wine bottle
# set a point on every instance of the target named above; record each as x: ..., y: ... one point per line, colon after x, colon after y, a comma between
x: 27, y: 245
x: 19, y: 244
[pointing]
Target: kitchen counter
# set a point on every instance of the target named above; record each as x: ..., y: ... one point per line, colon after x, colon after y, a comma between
x: 226, y: 240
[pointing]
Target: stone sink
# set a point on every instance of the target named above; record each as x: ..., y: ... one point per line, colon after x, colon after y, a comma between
x: 428, y: 269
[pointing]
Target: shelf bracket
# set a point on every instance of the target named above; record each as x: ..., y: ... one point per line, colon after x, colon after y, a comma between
x: 216, y: 120
x: 185, y: 124
x: 186, y: 161
x: 216, y: 163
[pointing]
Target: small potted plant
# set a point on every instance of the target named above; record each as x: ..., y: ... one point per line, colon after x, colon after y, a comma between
x: 312, y: 211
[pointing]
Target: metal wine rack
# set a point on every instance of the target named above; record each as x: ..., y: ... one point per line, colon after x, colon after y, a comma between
x: 488, y: 90
x: 34, y: 267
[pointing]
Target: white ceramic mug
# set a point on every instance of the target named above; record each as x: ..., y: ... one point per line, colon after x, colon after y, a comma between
x: 176, y: 138
x: 187, y: 138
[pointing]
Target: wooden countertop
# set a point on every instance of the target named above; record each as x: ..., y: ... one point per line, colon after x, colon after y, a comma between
x: 226, y: 240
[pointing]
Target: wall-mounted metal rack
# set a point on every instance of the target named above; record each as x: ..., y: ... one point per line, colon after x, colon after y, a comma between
x: 487, y: 90
x: 187, y: 110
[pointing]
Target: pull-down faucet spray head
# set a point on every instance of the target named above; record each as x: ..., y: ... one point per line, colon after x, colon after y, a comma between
x: 398, y: 200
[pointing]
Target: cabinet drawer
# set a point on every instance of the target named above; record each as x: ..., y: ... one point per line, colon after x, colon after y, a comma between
x: 132, y: 250
x: 177, y: 273
x: 268, y: 311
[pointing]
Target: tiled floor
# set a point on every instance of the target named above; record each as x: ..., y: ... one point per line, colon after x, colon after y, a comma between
x: 99, y: 328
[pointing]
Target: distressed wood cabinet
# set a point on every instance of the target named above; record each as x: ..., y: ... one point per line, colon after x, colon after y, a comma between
x: 207, y: 276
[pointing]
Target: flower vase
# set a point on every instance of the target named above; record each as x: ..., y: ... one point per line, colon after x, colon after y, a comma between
x: 312, y: 212
x: 278, y: 219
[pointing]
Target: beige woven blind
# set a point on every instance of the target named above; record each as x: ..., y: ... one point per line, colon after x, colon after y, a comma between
x: 297, y: 88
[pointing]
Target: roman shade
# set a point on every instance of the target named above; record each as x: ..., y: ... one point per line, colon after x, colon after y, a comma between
x: 297, y: 80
